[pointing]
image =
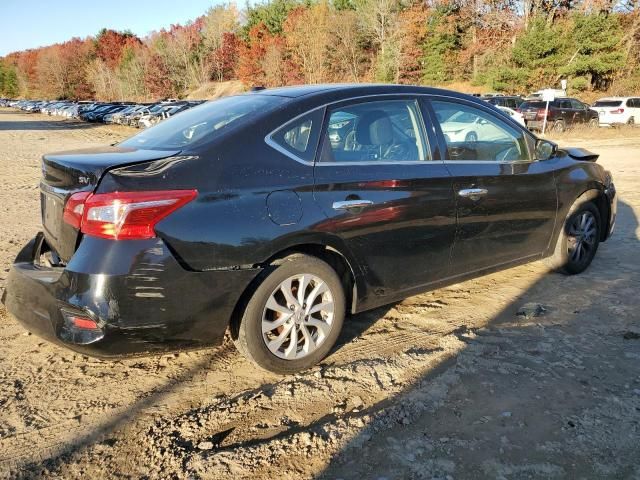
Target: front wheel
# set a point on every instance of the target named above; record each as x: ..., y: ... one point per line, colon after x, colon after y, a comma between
x: 578, y: 241
x: 294, y: 317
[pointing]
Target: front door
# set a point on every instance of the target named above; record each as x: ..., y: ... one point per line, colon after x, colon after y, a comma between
x: 386, y: 194
x: 506, y: 203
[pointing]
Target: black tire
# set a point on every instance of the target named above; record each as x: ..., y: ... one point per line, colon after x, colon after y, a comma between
x: 247, y: 331
x: 565, y: 259
x: 631, y: 121
x: 559, y: 126
x: 594, y: 123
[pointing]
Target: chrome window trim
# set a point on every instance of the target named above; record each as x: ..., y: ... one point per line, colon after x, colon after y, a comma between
x: 273, y: 144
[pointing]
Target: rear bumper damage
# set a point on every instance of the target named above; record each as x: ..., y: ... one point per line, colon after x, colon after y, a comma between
x: 131, y: 297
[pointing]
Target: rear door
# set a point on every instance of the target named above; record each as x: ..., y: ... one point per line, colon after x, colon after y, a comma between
x: 385, y: 191
x: 506, y: 203
x: 565, y: 111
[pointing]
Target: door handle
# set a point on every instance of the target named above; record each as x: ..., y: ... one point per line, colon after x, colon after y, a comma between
x: 349, y: 204
x: 473, y: 193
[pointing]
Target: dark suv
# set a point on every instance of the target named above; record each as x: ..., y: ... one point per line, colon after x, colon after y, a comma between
x: 563, y: 113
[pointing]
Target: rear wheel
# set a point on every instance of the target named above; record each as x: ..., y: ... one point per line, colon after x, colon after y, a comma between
x: 294, y: 317
x: 631, y: 121
x: 578, y: 241
x: 559, y: 126
x: 594, y: 123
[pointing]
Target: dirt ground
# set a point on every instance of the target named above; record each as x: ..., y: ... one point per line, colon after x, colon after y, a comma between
x: 445, y: 385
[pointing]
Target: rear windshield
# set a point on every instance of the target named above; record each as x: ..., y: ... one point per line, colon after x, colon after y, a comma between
x: 608, y: 103
x: 203, y: 122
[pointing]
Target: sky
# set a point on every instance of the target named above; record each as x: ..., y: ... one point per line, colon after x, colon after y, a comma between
x: 36, y: 23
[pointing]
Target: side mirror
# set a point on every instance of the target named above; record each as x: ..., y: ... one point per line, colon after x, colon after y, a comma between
x: 545, y: 149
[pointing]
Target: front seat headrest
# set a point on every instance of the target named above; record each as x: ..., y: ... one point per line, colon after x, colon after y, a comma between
x: 374, y: 128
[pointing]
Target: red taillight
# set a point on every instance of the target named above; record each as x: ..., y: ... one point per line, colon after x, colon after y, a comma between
x: 129, y: 215
x: 73, y: 209
x: 617, y: 110
x: 84, y: 323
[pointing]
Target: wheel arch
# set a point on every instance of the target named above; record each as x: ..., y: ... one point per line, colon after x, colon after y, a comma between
x: 599, y: 198
x: 336, y: 257
x: 591, y: 194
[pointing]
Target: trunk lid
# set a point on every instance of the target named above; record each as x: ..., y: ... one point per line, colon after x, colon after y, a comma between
x: 66, y: 173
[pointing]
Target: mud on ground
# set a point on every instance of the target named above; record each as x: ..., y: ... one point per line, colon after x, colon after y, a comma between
x: 448, y: 384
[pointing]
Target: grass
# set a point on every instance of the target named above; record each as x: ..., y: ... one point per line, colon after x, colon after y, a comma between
x: 584, y: 132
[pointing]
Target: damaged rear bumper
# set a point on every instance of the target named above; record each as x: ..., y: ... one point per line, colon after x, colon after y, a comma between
x: 135, y: 293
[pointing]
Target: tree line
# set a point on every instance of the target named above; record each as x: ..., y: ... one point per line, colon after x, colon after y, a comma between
x: 501, y: 45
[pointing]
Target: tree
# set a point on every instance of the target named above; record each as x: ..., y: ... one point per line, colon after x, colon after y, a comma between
x: 307, y: 35
x: 598, y: 54
x: 348, y: 56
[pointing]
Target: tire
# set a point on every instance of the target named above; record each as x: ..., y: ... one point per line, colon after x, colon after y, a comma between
x: 559, y: 126
x: 290, y: 320
x: 594, y: 123
x: 471, y: 137
x: 576, y: 249
x: 631, y: 121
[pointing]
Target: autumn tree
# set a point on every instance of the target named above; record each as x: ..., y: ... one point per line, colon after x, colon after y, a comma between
x: 307, y: 35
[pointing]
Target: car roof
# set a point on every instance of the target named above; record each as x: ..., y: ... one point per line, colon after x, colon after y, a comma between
x: 353, y: 89
x: 604, y: 99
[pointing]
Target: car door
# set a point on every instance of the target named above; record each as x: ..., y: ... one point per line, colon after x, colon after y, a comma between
x: 386, y: 192
x: 581, y: 112
x: 506, y: 203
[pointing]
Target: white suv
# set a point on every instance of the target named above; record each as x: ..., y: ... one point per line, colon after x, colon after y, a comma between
x: 618, y: 110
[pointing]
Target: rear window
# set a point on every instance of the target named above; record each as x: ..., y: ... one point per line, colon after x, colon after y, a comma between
x: 608, y: 103
x: 203, y: 122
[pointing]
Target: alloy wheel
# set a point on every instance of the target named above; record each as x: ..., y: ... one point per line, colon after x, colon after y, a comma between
x: 581, y: 237
x: 298, y: 316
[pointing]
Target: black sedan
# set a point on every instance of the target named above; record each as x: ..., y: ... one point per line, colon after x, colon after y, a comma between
x: 275, y: 213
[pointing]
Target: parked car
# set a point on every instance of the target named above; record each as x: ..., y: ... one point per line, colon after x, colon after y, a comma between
x: 562, y: 114
x: 618, y: 110
x: 512, y: 102
x: 167, y: 111
x: 517, y: 116
x: 243, y: 213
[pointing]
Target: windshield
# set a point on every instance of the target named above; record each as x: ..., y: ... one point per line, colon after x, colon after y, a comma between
x: 608, y: 103
x: 202, y: 122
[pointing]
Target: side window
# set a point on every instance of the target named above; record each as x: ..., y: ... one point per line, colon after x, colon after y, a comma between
x: 473, y: 134
x: 576, y: 104
x: 376, y: 131
x: 300, y: 136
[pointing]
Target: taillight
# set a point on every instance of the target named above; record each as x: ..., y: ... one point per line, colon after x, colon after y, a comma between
x: 617, y: 110
x: 129, y: 215
x: 74, y: 208
x: 540, y: 113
